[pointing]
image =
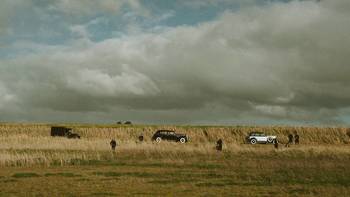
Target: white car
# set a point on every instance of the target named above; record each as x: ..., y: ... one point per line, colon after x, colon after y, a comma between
x: 261, y: 138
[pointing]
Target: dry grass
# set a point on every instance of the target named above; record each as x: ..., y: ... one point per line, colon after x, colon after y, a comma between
x: 162, y: 171
x: 30, y: 144
x: 309, y: 135
x: 46, y: 166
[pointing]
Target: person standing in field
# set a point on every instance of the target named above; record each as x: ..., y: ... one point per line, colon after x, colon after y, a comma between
x: 141, y: 138
x: 296, y: 138
x: 290, y: 140
x: 113, y: 144
x: 219, y: 145
x: 275, y: 143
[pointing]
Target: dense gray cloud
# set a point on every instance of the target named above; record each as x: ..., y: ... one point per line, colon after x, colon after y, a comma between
x: 282, y: 62
x: 5, y: 13
x: 199, y: 4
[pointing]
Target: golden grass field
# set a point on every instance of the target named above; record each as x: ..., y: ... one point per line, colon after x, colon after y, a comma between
x: 34, y: 164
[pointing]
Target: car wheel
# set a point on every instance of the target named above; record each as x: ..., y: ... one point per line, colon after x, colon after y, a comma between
x: 253, y: 141
x: 182, y: 140
x: 269, y: 140
x: 158, y: 139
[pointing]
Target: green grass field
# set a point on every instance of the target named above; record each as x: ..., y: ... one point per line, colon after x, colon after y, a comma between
x: 43, y: 166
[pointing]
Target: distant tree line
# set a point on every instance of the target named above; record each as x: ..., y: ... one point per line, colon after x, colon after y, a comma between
x: 126, y: 122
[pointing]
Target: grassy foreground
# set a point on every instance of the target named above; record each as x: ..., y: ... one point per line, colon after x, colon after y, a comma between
x: 34, y: 164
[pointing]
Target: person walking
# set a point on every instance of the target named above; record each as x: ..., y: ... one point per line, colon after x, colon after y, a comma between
x: 290, y: 140
x: 113, y: 144
x: 141, y: 138
x: 275, y: 143
x: 219, y: 145
x: 296, y: 138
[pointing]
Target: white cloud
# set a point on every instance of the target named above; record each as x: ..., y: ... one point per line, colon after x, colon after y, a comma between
x: 80, y: 31
x: 5, y: 97
x: 96, y: 83
x: 276, y: 111
x: 6, y: 12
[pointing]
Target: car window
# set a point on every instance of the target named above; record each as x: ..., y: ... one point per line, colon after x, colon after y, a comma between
x: 258, y: 134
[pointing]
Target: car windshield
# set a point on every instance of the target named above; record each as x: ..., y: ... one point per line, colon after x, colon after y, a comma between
x: 165, y: 132
x: 257, y: 134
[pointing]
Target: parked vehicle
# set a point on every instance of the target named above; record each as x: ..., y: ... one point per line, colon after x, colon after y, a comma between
x: 170, y: 136
x: 260, y: 137
x: 63, y: 132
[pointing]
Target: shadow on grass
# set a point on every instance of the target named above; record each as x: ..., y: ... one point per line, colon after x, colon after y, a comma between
x: 62, y: 174
x: 207, y: 166
x: 103, y: 194
x: 211, y: 184
x: 172, y: 181
x: 174, y: 165
x: 313, y: 177
x: 9, y: 181
x: 299, y: 191
x: 129, y: 174
x: 25, y: 175
x: 83, y: 180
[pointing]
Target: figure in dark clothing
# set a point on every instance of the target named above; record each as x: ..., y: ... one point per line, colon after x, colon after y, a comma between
x: 113, y: 144
x: 296, y: 138
x: 290, y: 140
x: 275, y: 143
x: 219, y: 145
x: 141, y: 138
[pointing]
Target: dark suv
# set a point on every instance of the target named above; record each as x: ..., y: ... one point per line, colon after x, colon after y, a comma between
x: 63, y: 132
x: 169, y: 135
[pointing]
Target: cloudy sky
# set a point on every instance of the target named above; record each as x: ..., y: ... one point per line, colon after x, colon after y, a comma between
x: 175, y: 61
